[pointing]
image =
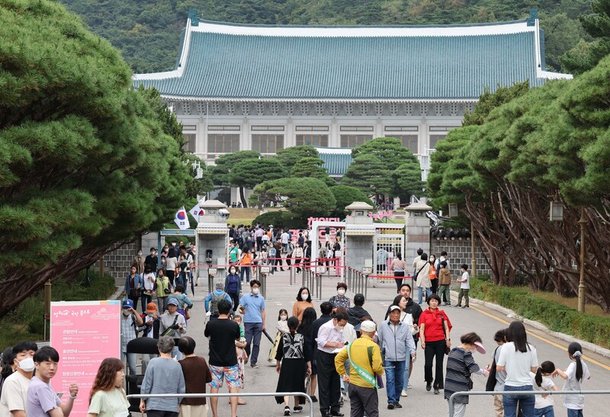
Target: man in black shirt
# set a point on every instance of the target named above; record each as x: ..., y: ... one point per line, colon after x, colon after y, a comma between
x: 223, y: 334
x: 325, y: 308
x: 151, y: 260
x: 357, y: 314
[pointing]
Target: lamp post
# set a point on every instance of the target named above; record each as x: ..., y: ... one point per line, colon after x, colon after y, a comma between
x: 581, y: 283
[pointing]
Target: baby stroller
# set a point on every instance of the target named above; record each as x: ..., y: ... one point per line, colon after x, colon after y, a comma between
x: 141, y: 346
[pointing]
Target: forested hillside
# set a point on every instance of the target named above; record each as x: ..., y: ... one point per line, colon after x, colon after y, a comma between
x: 148, y: 31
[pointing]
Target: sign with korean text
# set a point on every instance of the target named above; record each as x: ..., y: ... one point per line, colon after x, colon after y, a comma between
x: 84, y: 333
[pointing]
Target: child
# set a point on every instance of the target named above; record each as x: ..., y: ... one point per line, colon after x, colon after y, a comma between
x: 464, y: 281
x: 242, y: 356
x: 495, y: 381
x: 542, y: 382
x: 292, y: 365
x: 460, y: 366
x: 445, y: 282
x: 574, y: 375
x: 282, y: 327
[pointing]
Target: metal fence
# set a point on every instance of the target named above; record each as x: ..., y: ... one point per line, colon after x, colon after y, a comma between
x: 235, y: 394
x: 467, y: 393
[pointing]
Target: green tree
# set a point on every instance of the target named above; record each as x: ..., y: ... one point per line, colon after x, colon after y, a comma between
x: 597, y: 25
x: 221, y: 172
x: 87, y: 163
x: 346, y: 195
x: 290, y: 156
x: 311, y: 167
x: 387, y: 149
x: 407, y: 180
x: 303, y: 197
x: 248, y: 173
x: 369, y: 174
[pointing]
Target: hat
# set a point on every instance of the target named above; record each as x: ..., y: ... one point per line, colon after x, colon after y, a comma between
x: 368, y: 326
x: 480, y: 348
x: 172, y: 301
x: 219, y: 285
x: 394, y: 307
x: 151, y: 307
x: 127, y: 304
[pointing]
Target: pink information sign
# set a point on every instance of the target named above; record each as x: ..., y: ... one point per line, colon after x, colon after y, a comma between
x: 84, y: 333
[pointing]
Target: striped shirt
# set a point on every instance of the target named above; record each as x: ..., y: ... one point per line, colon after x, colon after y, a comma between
x: 460, y: 365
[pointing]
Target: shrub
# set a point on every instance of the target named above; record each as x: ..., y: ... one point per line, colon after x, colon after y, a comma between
x: 556, y: 317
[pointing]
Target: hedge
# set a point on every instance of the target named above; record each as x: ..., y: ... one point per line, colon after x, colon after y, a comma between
x: 556, y: 317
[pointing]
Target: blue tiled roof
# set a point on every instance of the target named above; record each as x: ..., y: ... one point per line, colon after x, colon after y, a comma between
x: 336, y: 164
x: 276, y: 66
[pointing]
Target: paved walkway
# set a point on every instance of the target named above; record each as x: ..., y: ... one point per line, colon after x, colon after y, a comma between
x: 280, y: 294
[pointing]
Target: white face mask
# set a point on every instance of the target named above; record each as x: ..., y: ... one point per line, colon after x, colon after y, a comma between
x: 304, y: 296
x: 126, y: 312
x: 255, y: 291
x: 339, y: 328
x: 27, y: 365
x: 283, y: 317
x: 341, y: 291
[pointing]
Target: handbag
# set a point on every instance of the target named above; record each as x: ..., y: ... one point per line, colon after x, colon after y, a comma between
x: 490, y: 385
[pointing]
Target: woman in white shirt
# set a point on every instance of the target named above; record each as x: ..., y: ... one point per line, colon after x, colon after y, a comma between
x: 518, y: 358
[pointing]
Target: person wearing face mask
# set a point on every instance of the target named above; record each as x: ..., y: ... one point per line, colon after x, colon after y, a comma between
x: 15, y: 388
x: 340, y: 300
x: 330, y: 341
x: 253, y: 306
x: 303, y: 301
x: 233, y: 286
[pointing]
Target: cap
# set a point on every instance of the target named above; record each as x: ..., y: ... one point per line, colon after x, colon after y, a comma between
x: 172, y: 301
x: 151, y: 307
x: 394, y: 307
x: 480, y: 348
x: 368, y: 326
x: 127, y: 304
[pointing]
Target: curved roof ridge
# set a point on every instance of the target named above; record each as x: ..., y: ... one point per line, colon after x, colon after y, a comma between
x: 496, y: 28
x: 223, y: 23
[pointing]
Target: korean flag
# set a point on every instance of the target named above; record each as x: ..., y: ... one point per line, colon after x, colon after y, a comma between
x: 182, y: 219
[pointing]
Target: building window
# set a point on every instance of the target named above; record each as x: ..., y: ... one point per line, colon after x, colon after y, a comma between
x: 434, y: 140
x: 223, y: 142
x: 267, y: 128
x: 351, y: 141
x: 408, y: 141
x: 190, y: 140
x: 224, y: 128
x: 356, y: 128
x: 313, y: 139
x: 267, y: 143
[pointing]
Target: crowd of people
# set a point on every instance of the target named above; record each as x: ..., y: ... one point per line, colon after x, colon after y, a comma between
x: 333, y: 352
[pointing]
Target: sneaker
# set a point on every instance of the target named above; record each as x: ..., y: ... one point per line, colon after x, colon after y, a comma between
x: 436, y: 391
x: 428, y: 386
x: 410, y: 386
x: 390, y: 406
x: 287, y: 411
x: 397, y: 405
x: 403, y: 393
x: 254, y: 365
x: 458, y: 305
x: 314, y: 399
x: 297, y: 408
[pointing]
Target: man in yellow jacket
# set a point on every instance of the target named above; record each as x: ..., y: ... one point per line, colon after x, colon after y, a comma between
x: 365, y: 362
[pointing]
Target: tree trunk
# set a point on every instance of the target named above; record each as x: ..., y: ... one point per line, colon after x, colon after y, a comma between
x: 242, y: 196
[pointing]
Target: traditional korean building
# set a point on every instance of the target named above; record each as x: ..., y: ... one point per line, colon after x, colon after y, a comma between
x: 265, y: 88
